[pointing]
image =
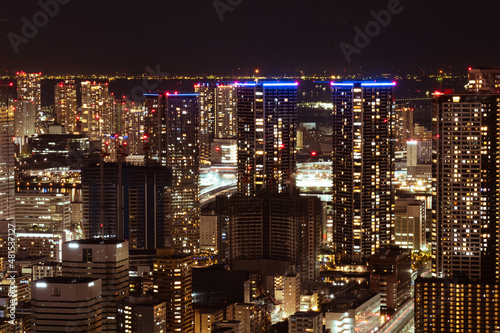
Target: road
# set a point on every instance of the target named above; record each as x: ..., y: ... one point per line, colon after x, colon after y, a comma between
x: 401, y: 319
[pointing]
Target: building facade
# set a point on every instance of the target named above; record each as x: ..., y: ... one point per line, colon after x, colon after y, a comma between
x: 363, y: 169
x: 106, y: 260
x: 267, y: 137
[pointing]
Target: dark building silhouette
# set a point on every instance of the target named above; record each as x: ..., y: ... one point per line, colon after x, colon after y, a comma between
x: 130, y: 202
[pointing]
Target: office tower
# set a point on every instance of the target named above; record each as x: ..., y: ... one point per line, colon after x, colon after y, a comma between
x: 465, y: 178
x: 362, y: 168
x: 484, y: 79
x: 62, y: 304
x: 267, y: 126
x: 172, y: 139
x: 217, y: 115
x: 278, y: 227
x: 97, y: 116
x: 172, y: 284
x: 130, y: 202
x: 141, y: 314
x: 43, y: 212
x: 106, y: 260
x: 390, y: 275
x: 306, y: 322
x: 7, y: 165
x: 409, y: 224
x: 66, y: 105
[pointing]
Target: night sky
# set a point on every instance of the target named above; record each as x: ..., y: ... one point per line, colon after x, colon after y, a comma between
x: 276, y: 36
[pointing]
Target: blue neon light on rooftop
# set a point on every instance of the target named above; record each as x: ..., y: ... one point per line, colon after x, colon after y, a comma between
x: 170, y: 94
x: 268, y: 84
x: 364, y: 84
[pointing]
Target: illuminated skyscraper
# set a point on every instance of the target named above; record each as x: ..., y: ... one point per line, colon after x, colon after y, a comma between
x: 97, y: 115
x: 217, y: 115
x: 466, y: 168
x: 463, y: 295
x: 363, y: 201
x: 171, y: 138
x: 66, y: 105
x: 172, y: 278
x: 7, y: 164
x: 267, y: 127
x: 133, y: 115
x: 29, y: 88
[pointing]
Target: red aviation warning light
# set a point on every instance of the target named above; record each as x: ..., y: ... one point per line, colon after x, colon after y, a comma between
x: 217, y: 148
x: 313, y: 153
x: 282, y: 146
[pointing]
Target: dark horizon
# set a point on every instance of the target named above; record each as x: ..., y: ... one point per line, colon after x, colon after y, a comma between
x: 280, y: 37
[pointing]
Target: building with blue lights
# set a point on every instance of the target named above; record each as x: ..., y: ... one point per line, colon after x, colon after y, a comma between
x: 363, y: 201
x: 267, y: 127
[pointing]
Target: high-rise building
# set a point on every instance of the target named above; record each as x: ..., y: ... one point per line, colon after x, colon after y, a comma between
x: 465, y: 179
x: 173, y: 285
x: 63, y: 304
x: 66, y: 107
x: 276, y: 227
x: 25, y: 113
x: 456, y: 305
x: 217, y: 115
x: 129, y: 202
x: 97, y: 116
x: 100, y: 259
x: 134, y: 116
x: 7, y: 165
x: 465, y: 250
x: 363, y: 163
x: 27, y: 105
x: 390, y: 275
x: 8, y: 93
x: 484, y: 79
x: 171, y: 138
x: 29, y: 87
x: 141, y: 314
x: 404, y: 127
x: 267, y: 126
